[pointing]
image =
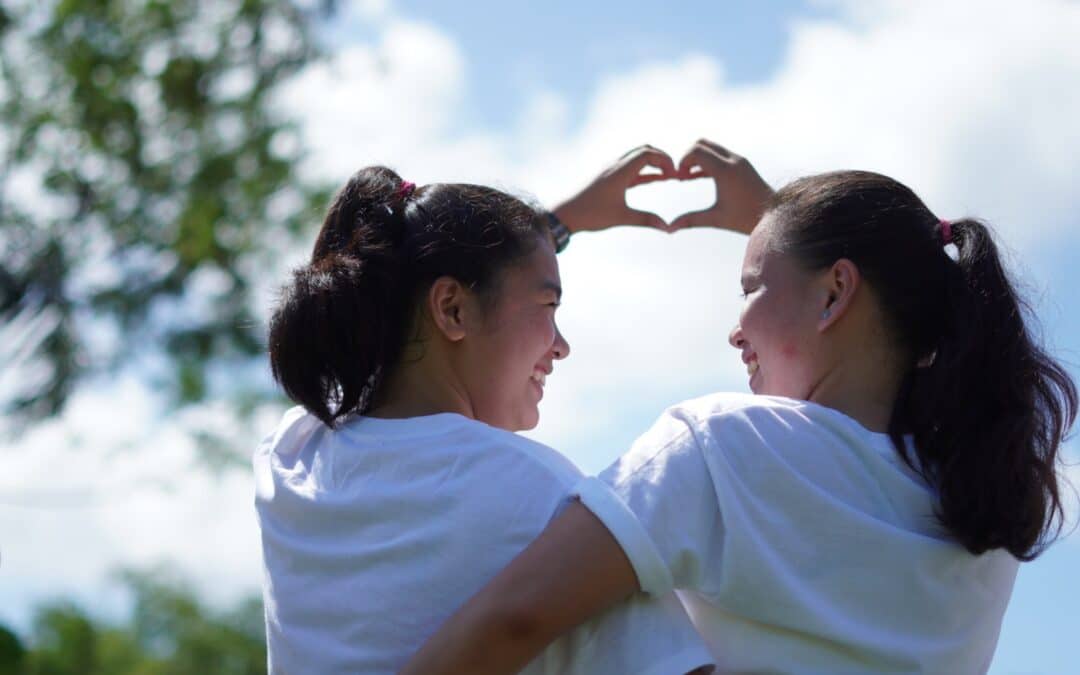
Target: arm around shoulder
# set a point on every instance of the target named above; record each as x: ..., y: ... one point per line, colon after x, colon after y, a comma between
x: 572, y: 571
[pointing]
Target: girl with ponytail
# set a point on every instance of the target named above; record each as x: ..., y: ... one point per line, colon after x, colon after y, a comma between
x: 416, y: 340
x: 865, y: 509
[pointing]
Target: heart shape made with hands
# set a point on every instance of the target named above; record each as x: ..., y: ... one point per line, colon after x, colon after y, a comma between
x: 667, y: 195
x: 671, y: 197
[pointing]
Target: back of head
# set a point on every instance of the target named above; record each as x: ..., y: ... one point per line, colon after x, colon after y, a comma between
x: 987, y: 406
x: 346, y: 317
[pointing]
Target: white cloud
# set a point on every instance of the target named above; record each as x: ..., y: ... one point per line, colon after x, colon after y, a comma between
x: 114, y: 483
x: 393, y: 102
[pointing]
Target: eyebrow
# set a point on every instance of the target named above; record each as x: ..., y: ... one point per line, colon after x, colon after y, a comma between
x: 749, y: 277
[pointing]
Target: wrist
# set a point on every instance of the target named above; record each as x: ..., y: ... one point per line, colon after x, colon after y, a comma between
x: 560, y: 232
x: 569, y: 215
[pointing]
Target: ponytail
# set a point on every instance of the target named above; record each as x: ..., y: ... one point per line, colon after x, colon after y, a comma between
x: 986, y: 406
x: 990, y: 411
x: 343, y: 315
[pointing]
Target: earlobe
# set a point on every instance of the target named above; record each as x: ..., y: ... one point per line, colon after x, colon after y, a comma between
x: 446, y: 303
x: 842, y: 281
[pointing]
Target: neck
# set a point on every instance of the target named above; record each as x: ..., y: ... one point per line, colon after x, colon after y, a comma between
x: 863, y: 388
x: 420, y: 388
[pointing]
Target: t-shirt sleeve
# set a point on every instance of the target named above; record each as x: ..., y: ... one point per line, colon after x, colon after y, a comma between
x: 642, y: 636
x: 659, y: 502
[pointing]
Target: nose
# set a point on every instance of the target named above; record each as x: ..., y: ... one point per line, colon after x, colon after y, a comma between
x: 561, y: 348
x: 735, y: 338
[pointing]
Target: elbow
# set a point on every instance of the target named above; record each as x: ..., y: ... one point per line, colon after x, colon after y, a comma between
x: 505, y: 623
x: 518, y: 625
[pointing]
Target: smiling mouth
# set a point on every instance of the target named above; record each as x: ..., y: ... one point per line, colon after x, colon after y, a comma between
x: 752, y: 367
x: 539, y: 377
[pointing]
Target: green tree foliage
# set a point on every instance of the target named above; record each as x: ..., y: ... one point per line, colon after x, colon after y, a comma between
x: 12, y: 653
x: 144, y: 178
x: 170, y: 633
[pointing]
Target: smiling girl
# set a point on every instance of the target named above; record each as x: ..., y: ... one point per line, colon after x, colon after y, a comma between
x: 417, y: 339
x: 865, y: 509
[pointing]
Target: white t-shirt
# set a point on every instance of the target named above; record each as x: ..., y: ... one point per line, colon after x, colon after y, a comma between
x: 801, y: 542
x: 373, y: 534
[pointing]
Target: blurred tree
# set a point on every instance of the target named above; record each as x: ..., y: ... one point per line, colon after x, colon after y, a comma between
x: 145, y: 177
x: 171, y: 633
x: 12, y: 652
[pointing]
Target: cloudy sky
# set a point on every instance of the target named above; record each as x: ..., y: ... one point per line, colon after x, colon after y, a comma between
x: 972, y: 104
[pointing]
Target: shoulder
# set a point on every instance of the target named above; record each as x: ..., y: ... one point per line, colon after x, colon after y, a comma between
x: 732, y: 405
x: 523, y: 452
x: 724, y: 413
x: 723, y: 421
x: 294, y: 428
x: 451, y: 442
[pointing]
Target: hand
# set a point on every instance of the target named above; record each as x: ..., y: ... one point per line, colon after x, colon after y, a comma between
x: 602, y: 204
x: 741, y: 194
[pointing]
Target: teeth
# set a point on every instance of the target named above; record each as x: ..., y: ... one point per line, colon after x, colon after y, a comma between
x: 752, y: 367
x: 539, y: 377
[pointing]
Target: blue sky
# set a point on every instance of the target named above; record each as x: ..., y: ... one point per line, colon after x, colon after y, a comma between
x: 973, y: 104
x: 513, y: 48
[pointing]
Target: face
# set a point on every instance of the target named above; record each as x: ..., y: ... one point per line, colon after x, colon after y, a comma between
x: 511, y: 351
x: 777, y: 330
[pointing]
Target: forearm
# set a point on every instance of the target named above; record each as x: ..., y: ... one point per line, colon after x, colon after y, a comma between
x: 482, y: 639
x: 574, y: 570
x: 572, y: 217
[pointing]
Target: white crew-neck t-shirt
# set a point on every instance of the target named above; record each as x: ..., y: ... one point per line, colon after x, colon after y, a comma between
x: 374, y: 533
x: 800, y: 542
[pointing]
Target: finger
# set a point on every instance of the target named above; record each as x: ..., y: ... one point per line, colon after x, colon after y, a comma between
x: 704, y: 218
x: 716, y: 148
x: 647, y: 155
x: 645, y: 219
x: 699, y: 158
x: 643, y: 178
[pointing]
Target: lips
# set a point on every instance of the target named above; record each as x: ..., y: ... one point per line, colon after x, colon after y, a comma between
x: 540, y: 373
x: 750, y: 359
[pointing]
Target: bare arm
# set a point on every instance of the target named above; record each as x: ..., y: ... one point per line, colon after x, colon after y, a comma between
x: 574, y: 570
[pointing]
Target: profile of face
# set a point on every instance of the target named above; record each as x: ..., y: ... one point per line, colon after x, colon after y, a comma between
x: 510, y: 346
x: 778, y: 331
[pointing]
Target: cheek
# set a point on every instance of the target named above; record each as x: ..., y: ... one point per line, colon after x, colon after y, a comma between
x: 541, y: 332
x: 771, y: 329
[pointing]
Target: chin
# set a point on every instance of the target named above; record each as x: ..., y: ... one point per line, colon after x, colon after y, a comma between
x: 529, y: 422
x: 526, y: 420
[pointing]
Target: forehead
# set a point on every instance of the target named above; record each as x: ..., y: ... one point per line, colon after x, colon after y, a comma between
x: 759, y: 248
x: 538, y: 270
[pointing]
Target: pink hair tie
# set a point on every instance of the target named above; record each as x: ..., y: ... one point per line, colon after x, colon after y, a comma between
x: 946, y: 232
x: 406, y: 189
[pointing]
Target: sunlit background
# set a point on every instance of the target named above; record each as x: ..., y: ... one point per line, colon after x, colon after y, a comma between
x: 158, y: 179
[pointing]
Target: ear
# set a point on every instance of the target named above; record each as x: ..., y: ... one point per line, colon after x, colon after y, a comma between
x: 447, y: 304
x: 839, y: 285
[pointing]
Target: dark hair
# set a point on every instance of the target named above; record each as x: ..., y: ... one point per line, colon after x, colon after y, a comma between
x: 346, y: 317
x: 988, y: 408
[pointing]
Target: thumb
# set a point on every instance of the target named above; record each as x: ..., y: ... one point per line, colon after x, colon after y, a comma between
x: 644, y: 219
x: 702, y: 218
